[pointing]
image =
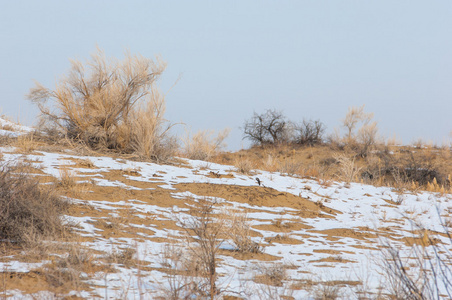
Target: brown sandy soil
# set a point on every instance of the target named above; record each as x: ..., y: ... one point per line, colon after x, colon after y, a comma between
x: 259, y: 196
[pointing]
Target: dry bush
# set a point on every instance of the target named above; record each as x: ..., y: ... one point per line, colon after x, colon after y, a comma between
x: 239, y: 231
x: 205, y: 235
x: 326, y: 291
x: 425, y: 168
x: 274, y: 274
x: 67, y: 177
x: 26, y: 142
x: 354, y: 116
x: 309, y: 132
x: 108, y: 104
x: 271, y: 127
x: 348, y: 170
x: 27, y: 211
x: 243, y: 165
x: 361, y: 140
x: 148, y: 130
x: 181, y: 273
x: 68, y: 270
x: 203, y: 144
x: 290, y: 167
x: 123, y: 257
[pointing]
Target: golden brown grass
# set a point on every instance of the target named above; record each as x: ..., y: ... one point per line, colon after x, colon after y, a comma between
x: 404, y: 167
x: 203, y: 144
x: 26, y: 142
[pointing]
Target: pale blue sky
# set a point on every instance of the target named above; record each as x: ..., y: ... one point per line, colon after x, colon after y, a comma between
x: 310, y: 59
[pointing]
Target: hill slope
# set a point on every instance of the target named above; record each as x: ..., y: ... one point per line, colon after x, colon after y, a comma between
x: 132, y: 223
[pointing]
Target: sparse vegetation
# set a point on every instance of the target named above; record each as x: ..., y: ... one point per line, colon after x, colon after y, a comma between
x: 28, y: 213
x: 239, y: 231
x: 243, y: 165
x: 203, y: 145
x: 422, y: 272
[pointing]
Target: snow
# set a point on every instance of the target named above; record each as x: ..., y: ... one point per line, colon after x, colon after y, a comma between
x: 361, y: 206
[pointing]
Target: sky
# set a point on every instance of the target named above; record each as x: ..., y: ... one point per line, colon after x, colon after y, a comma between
x: 308, y: 59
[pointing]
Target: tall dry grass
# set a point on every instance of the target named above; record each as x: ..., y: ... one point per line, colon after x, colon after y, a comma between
x: 203, y: 144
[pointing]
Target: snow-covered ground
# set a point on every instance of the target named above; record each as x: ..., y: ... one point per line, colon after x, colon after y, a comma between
x: 363, y: 208
x: 12, y: 129
x: 322, y: 249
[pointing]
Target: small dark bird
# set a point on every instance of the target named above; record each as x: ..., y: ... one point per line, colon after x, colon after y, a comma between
x: 258, y: 181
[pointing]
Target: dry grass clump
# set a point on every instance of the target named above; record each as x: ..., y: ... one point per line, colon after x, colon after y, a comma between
x: 290, y: 167
x: 274, y: 274
x: 26, y: 142
x: 326, y: 291
x: 123, y: 257
x: 203, y: 144
x: 348, y: 169
x: 243, y: 165
x: 239, y: 231
x: 27, y: 212
x: 67, y: 178
x: 108, y: 104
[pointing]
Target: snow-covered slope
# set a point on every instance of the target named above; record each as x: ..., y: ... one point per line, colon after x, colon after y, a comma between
x: 324, y: 231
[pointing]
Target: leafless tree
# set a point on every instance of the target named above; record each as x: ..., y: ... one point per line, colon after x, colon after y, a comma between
x: 270, y: 127
x: 309, y: 132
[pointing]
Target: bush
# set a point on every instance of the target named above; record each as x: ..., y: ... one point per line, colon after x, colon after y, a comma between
x: 202, y: 145
x: 26, y: 211
x: 270, y: 127
x: 111, y: 105
x: 309, y: 132
x: 366, y: 137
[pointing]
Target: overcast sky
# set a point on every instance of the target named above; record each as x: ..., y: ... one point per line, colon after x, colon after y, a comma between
x: 310, y: 59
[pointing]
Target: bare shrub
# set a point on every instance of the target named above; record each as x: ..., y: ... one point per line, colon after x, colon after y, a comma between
x: 348, y: 169
x: 101, y: 103
x: 364, y: 138
x: 270, y: 127
x: 309, y: 132
x: 181, y: 272
x: 243, y: 165
x: 26, y: 142
x: 326, y: 291
x: 207, y: 233
x: 354, y: 116
x: 274, y: 274
x: 67, y: 178
x: 239, y: 231
x: 203, y: 144
x: 424, y: 168
x: 27, y: 211
x: 124, y: 256
x: 290, y: 167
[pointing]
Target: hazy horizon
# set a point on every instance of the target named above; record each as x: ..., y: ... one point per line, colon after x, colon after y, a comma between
x: 309, y: 59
